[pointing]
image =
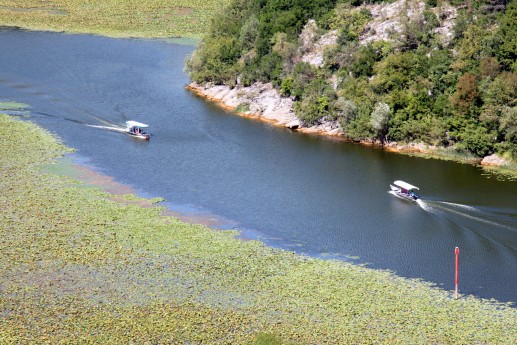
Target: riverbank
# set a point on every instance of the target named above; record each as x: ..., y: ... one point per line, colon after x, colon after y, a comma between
x: 79, y: 264
x: 262, y: 102
x: 114, y: 18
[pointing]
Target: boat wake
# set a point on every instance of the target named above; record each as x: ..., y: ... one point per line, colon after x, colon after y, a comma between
x: 491, y: 224
x: 105, y: 124
x: 57, y: 117
x: 470, y: 212
x: 110, y: 128
x: 471, y: 208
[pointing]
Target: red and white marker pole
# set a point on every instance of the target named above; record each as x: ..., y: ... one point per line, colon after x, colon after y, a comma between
x: 456, y: 280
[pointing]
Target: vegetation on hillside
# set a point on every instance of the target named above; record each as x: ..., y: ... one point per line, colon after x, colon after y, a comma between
x: 120, y: 18
x: 81, y: 266
x: 414, y: 86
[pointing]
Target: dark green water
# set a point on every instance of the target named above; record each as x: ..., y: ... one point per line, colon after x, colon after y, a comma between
x: 311, y: 195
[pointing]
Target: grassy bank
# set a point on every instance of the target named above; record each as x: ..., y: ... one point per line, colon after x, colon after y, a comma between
x: 118, y: 18
x: 505, y: 172
x: 78, y: 267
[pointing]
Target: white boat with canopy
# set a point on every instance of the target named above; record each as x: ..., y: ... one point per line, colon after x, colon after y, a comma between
x: 137, y: 130
x: 405, y: 190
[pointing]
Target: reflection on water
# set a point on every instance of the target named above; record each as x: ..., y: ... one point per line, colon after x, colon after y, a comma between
x: 311, y: 195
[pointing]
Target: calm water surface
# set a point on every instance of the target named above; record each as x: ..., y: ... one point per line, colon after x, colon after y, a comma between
x: 307, y: 194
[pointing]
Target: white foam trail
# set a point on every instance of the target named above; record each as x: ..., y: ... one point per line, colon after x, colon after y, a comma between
x: 470, y: 208
x: 424, y: 205
x: 110, y: 128
x: 441, y: 206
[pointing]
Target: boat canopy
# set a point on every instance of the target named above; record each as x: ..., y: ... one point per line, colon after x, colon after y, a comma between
x: 136, y: 124
x: 404, y: 185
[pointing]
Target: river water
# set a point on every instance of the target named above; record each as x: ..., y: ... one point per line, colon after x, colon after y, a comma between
x: 307, y: 194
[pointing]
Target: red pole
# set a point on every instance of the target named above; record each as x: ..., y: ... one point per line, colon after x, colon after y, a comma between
x: 456, y: 280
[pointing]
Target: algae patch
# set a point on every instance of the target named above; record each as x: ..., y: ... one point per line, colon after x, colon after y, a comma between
x: 77, y: 266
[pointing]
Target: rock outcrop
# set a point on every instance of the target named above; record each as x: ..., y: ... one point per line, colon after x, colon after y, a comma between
x: 313, y: 47
x: 259, y: 100
x: 387, y: 20
x: 494, y: 160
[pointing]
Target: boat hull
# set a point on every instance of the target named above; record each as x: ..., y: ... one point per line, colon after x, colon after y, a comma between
x: 140, y: 136
x: 408, y: 196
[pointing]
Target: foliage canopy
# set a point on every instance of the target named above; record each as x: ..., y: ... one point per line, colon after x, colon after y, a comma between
x: 459, y: 92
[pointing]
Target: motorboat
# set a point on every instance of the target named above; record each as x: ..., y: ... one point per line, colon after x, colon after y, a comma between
x: 405, y: 190
x: 137, y: 130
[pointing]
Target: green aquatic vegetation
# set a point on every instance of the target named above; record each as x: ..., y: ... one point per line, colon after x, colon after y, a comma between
x: 118, y: 18
x: 504, y: 173
x: 78, y: 266
x: 7, y: 105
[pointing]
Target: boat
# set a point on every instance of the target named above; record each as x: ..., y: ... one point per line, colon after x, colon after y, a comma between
x: 137, y: 130
x: 405, y: 190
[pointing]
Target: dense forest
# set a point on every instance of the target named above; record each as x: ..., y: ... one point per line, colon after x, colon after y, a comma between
x: 413, y: 86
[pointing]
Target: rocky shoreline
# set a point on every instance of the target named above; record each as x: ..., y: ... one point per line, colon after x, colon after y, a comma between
x: 264, y: 103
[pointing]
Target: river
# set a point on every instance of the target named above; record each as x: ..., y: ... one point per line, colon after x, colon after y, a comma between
x: 313, y: 195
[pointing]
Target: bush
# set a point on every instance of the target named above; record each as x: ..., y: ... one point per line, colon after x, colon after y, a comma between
x: 478, y: 140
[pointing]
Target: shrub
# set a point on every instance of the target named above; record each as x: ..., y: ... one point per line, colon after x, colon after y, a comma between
x: 478, y: 140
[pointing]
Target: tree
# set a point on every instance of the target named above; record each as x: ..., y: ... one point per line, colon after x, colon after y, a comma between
x: 497, y: 96
x: 478, y: 140
x: 379, y: 120
x: 509, y: 129
x: 466, y: 93
x: 364, y: 60
x: 346, y: 111
x: 249, y: 33
x: 508, y: 31
x: 312, y: 108
x: 215, y: 61
x: 489, y: 67
x: 360, y: 128
x: 284, y: 48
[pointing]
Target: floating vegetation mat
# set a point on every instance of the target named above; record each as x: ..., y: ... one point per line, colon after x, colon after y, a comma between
x: 119, y: 18
x: 78, y: 267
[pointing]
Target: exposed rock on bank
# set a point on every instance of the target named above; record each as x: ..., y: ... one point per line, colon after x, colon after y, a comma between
x: 260, y: 101
x: 494, y: 160
x: 263, y: 102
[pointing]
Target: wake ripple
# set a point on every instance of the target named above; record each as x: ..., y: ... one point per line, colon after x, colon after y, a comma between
x: 468, y: 212
x: 110, y: 128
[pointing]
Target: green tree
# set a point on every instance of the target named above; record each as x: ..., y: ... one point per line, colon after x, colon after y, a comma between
x: 478, y: 140
x: 398, y: 70
x: 346, y: 111
x: 379, y: 120
x: 312, y: 108
x: 439, y: 68
x: 360, y: 128
x: 363, y: 61
x: 215, y: 61
x: 497, y: 96
x: 249, y: 33
x: 303, y: 74
x: 507, y: 52
x: 509, y: 129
